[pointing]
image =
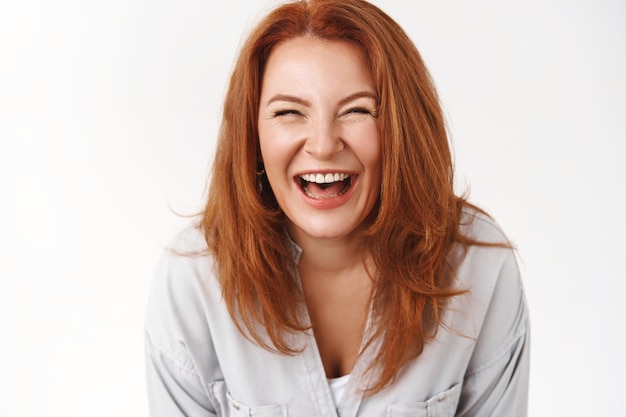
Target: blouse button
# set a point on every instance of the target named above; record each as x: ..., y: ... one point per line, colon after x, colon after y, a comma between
x: 441, y: 397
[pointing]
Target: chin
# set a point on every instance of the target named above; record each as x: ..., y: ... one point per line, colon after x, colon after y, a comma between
x: 327, y: 230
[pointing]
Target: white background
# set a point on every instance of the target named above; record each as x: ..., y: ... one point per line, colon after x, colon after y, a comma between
x: 108, y: 116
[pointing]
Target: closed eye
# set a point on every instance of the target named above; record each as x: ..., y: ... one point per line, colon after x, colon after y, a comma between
x: 286, y: 112
x: 360, y: 110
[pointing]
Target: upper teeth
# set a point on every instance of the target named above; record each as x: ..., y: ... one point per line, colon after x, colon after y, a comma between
x: 324, y: 178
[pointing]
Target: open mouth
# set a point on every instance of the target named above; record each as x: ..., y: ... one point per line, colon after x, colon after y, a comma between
x: 325, y: 186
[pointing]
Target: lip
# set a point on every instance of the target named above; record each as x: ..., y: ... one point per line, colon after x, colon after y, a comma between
x: 327, y: 203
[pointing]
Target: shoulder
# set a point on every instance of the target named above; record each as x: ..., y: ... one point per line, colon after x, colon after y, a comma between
x: 495, y: 295
x: 184, y: 268
x: 180, y: 290
x: 478, y: 225
x: 481, y: 262
x: 190, y: 240
x: 481, y: 266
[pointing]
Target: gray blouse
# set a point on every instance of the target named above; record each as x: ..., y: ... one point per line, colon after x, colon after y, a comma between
x: 199, y: 364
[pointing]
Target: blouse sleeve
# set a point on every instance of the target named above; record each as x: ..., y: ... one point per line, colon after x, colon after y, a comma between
x: 496, y: 383
x: 173, y: 391
x: 175, y: 331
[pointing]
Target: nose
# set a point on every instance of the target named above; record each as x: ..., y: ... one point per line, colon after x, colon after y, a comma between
x: 324, y: 140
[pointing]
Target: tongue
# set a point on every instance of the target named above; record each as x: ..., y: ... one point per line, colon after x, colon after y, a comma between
x: 325, y: 190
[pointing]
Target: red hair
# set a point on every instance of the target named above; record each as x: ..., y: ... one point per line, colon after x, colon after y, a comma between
x: 411, y: 230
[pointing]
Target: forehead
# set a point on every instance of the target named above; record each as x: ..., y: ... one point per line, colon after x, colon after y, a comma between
x: 306, y: 57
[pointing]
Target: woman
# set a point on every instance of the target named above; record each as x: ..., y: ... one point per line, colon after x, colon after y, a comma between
x: 334, y: 271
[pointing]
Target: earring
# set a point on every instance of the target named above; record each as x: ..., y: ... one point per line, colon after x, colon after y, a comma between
x: 260, y: 171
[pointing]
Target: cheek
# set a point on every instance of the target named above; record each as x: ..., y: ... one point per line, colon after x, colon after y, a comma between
x: 269, y: 152
x: 372, y: 156
x: 276, y: 154
x: 369, y: 149
x: 278, y: 144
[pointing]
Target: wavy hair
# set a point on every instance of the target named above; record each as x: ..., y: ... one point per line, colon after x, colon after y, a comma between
x: 412, y: 228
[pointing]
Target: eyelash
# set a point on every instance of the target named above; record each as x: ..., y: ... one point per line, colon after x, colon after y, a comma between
x: 359, y: 110
x: 286, y: 112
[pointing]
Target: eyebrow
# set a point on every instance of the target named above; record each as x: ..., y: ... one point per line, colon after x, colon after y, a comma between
x: 299, y: 100
x: 357, y: 95
x: 286, y: 97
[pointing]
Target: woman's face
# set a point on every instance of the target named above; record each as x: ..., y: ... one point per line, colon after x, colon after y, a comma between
x: 319, y: 136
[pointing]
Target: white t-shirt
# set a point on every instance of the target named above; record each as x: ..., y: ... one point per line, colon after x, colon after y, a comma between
x: 338, y: 387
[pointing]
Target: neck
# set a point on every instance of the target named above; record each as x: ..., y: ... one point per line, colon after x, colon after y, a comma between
x: 330, y: 256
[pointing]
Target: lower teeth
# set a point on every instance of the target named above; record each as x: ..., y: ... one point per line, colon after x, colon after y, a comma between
x: 319, y: 197
x: 305, y: 188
